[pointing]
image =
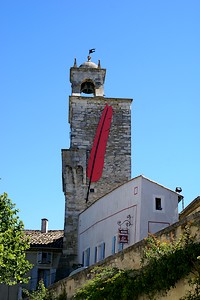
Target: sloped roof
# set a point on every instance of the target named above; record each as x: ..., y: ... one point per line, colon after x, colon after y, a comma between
x: 51, y: 239
x: 194, y: 206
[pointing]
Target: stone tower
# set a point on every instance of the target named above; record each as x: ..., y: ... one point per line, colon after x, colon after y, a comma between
x: 86, y: 105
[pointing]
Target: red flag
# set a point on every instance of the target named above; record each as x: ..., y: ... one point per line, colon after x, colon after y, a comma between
x: 96, y: 160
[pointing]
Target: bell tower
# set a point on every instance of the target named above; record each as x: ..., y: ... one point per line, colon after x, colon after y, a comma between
x: 87, y: 79
x: 99, y: 157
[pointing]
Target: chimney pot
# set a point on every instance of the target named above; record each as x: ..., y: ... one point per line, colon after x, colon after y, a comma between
x: 44, y: 225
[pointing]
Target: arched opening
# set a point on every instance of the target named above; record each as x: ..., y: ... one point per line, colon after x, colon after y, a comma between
x: 87, y: 87
x: 69, y: 175
x: 79, y: 174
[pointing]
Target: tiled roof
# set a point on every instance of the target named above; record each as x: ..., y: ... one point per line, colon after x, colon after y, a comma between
x: 193, y: 206
x: 51, y: 239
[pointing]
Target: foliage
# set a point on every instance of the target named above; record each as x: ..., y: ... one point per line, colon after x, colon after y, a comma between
x: 162, y: 266
x: 13, y: 244
x: 106, y: 284
x: 42, y: 293
x: 168, y: 261
x: 194, y: 294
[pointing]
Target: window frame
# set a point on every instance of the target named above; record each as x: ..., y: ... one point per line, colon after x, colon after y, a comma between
x: 42, y: 260
x: 155, y: 203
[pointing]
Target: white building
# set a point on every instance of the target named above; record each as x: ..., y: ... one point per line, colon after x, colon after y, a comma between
x: 137, y: 208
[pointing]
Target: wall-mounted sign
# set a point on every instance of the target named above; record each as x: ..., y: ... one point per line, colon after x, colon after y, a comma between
x: 123, y: 236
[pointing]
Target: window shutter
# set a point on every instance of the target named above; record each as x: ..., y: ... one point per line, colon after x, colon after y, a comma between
x: 95, y: 254
x: 46, y: 278
x: 53, y: 275
x: 120, y: 247
x: 102, y: 250
x: 83, y: 259
x: 34, y: 279
x: 39, y: 257
x: 113, y: 244
x: 49, y: 257
x: 19, y: 296
x: 87, y: 257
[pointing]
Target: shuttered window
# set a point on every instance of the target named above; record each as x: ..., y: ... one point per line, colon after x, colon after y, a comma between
x: 120, y: 247
x: 95, y: 254
x: 103, y: 250
x: 87, y: 257
x: 113, y: 244
x: 44, y: 257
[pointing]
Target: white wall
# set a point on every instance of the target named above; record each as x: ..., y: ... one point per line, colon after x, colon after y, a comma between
x: 98, y: 224
x: 153, y: 220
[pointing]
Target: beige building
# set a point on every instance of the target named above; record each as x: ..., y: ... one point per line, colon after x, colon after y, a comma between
x: 44, y: 253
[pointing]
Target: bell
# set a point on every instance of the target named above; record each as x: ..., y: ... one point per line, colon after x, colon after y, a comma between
x: 87, y: 88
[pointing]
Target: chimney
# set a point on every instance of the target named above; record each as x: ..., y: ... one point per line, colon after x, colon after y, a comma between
x: 44, y: 225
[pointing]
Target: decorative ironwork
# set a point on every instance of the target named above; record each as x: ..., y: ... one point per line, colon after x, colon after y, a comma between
x: 123, y: 232
x: 127, y: 222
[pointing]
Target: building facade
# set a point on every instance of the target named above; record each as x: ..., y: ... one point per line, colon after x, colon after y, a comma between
x: 44, y: 254
x: 99, y: 157
x: 123, y: 217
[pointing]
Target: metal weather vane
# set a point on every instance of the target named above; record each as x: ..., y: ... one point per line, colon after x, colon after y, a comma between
x: 91, y: 51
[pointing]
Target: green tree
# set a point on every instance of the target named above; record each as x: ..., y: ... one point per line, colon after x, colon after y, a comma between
x: 13, y: 244
x: 40, y: 294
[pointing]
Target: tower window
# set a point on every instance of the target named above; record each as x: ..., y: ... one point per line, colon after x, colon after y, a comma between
x: 158, y: 203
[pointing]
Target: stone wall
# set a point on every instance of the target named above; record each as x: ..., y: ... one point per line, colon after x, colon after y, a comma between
x: 130, y: 259
x: 84, y: 116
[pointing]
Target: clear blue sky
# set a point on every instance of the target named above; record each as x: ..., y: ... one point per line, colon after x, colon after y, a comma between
x: 151, y: 50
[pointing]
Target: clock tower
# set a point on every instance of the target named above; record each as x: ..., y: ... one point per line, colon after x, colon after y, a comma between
x: 99, y: 157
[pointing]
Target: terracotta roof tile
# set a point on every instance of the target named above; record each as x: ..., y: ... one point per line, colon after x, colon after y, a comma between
x: 51, y: 239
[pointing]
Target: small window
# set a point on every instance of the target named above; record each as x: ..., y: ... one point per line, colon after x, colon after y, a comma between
x: 135, y: 190
x: 100, y: 252
x: 158, y: 203
x: 91, y: 190
x: 44, y: 257
x: 86, y: 258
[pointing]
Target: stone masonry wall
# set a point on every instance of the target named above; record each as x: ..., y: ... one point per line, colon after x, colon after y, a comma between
x: 84, y: 116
